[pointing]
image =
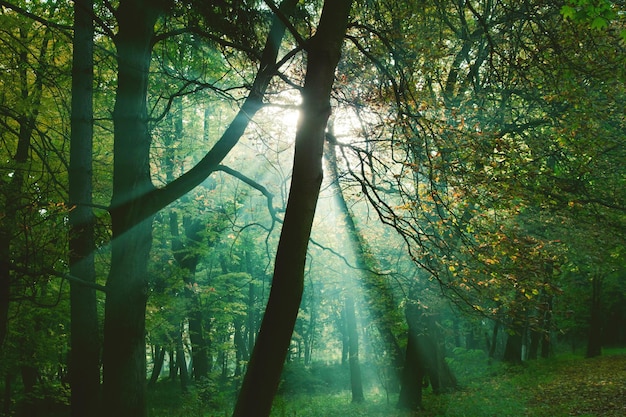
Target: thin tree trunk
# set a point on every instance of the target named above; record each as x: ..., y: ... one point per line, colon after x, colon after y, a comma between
x: 533, y: 349
x: 594, y: 343
x: 7, y: 397
x: 266, y: 363
x: 173, y: 367
x: 250, y: 316
x: 545, y: 340
x: 158, y: 365
x: 356, y: 383
x: 181, y: 362
x: 84, y: 360
x: 494, y: 339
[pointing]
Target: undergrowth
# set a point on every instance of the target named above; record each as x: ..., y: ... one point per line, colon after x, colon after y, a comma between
x: 568, y: 385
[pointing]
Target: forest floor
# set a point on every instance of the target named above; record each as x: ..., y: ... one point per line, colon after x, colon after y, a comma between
x: 567, y: 385
x: 562, y: 386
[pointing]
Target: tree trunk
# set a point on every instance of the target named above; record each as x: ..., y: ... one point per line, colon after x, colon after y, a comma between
x: 533, y: 349
x: 250, y: 316
x: 158, y: 365
x: 84, y: 359
x: 181, y: 362
x: 7, y: 394
x: 266, y: 363
x: 173, y: 367
x: 424, y: 357
x: 309, y: 333
x: 29, y: 380
x: 545, y: 340
x: 356, y: 383
x: 124, y: 356
x: 240, y: 345
x: 594, y: 343
x: 187, y: 258
x: 414, y: 370
x: 513, y: 348
x: 494, y: 339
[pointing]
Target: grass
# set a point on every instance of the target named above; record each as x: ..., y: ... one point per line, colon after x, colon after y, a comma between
x: 568, y: 385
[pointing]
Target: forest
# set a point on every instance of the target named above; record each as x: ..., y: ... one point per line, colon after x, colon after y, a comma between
x: 312, y: 208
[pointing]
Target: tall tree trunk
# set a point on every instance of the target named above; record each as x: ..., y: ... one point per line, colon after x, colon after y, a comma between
x: 266, y: 363
x: 124, y: 356
x: 356, y: 383
x: 594, y: 343
x: 84, y: 362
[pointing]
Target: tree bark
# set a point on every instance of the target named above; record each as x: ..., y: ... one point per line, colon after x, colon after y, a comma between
x: 84, y: 360
x: 266, y: 362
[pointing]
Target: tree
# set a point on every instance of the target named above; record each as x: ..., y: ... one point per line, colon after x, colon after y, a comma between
x: 353, y: 351
x: 135, y: 199
x: 425, y: 355
x: 476, y: 185
x: 32, y: 194
x: 85, y: 342
x: 263, y: 375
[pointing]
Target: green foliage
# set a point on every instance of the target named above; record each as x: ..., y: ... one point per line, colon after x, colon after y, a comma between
x: 596, y: 13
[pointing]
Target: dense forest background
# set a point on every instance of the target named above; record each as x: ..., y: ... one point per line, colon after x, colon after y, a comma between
x: 224, y: 201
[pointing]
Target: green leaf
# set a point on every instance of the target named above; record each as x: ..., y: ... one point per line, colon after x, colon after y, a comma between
x: 568, y: 12
x: 599, y: 23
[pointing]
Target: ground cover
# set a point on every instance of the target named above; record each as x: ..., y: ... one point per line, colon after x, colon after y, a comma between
x: 568, y: 385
